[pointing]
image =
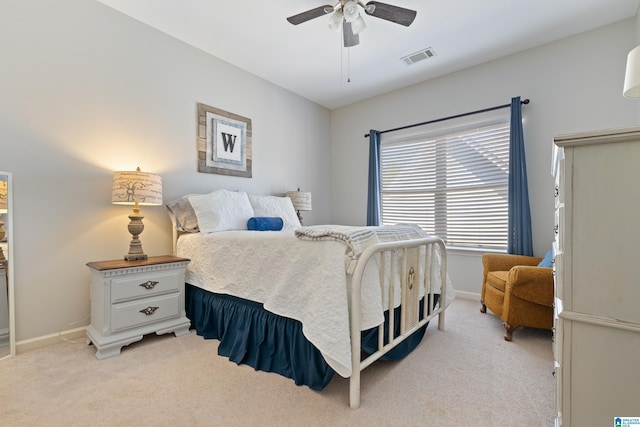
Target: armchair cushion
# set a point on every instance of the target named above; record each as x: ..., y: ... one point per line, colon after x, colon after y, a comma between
x: 498, y: 279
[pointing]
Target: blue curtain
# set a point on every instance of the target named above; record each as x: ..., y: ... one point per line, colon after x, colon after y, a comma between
x: 519, y: 240
x: 374, y: 205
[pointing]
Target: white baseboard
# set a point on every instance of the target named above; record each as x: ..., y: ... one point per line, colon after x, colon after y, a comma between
x: 468, y: 295
x: 74, y: 334
x: 47, y: 340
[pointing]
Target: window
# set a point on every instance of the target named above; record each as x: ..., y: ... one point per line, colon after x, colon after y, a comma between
x: 454, y: 185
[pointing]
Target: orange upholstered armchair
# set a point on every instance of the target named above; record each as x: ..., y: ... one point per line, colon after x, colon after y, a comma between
x: 516, y: 290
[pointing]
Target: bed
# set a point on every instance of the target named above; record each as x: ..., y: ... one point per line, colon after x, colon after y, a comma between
x: 305, y: 302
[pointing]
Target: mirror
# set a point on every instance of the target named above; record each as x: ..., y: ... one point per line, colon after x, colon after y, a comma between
x: 7, y: 327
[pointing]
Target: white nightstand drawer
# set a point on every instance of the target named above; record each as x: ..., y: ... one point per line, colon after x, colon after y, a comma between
x: 144, y: 285
x: 149, y: 310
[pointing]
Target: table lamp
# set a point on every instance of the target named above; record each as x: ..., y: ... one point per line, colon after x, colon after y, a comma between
x: 136, y: 188
x: 301, y: 201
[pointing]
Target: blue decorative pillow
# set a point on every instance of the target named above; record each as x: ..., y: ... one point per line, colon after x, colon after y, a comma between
x: 265, y: 223
x: 547, y: 261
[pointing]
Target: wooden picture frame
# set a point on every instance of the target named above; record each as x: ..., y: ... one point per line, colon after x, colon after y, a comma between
x: 224, y: 142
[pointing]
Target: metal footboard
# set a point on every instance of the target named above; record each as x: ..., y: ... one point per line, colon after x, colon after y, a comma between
x: 416, y: 263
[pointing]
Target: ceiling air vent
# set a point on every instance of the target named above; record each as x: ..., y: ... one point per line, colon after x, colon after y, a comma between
x: 418, y: 56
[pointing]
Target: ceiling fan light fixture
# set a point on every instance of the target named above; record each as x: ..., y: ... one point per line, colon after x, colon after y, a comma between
x: 358, y: 25
x: 350, y: 11
x: 335, y: 22
x: 347, y: 18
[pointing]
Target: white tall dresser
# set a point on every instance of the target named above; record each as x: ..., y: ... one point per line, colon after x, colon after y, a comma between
x: 597, y: 277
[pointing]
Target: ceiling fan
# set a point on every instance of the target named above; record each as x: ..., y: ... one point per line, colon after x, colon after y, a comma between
x: 345, y: 16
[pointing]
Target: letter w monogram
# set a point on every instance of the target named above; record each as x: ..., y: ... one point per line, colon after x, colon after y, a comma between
x: 229, y: 141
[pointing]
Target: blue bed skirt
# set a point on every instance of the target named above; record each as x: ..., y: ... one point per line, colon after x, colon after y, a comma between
x: 253, y: 336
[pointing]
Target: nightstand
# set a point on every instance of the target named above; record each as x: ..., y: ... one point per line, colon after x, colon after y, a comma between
x: 130, y: 299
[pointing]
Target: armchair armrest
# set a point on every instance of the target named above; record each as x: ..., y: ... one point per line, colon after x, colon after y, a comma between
x: 531, y: 283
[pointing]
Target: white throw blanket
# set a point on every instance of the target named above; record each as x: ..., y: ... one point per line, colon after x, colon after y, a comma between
x: 358, y: 239
x: 291, y: 277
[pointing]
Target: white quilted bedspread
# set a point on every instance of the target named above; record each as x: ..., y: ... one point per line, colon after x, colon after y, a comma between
x: 302, y: 280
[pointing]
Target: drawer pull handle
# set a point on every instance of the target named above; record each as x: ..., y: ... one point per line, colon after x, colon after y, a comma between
x: 411, y: 278
x: 148, y: 284
x: 149, y: 310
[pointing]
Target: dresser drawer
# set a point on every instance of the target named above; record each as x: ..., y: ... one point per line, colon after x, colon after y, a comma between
x: 144, y: 285
x: 559, y: 195
x: 558, y: 226
x: 148, y: 310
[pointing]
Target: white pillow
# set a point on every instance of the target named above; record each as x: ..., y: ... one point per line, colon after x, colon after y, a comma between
x: 278, y: 207
x: 222, y: 210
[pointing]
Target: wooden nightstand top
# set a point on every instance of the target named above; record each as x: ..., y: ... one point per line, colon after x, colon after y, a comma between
x: 121, y: 263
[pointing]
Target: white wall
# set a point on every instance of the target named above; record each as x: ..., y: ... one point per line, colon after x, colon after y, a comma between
x: 85, y: 91
x: 574, y: 85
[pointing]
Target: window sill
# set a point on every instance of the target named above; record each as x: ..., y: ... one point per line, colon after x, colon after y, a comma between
x: 457, y: 250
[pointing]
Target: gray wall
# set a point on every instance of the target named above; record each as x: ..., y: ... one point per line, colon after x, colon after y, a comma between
x: 86, y: 91
x: 574, y: 85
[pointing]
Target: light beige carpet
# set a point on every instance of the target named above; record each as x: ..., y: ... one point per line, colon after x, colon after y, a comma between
x: 466, y: 375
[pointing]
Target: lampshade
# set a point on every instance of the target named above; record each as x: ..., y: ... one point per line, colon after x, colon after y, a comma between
x: 136, y: 188
x: 3, y: 210
x: 301, y: 200
x: 141, y: 187
x: 632, y: 75
x: 3, y: 197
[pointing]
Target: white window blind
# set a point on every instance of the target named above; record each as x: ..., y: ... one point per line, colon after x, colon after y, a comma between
x: 453, y: 185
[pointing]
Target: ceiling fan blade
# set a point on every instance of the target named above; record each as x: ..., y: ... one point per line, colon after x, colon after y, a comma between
x: 310, y: 14
x: 396, y: 14
x: 350, y: 39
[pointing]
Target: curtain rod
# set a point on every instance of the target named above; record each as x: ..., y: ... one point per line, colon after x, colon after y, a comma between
x: 526, y: 101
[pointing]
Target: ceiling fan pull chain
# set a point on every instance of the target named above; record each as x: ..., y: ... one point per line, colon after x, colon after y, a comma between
x: 341, y: 62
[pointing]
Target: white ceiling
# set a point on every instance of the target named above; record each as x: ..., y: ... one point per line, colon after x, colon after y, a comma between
x: 308, y: 59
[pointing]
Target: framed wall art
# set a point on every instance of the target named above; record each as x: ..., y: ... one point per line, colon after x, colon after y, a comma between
x: 224, y: 142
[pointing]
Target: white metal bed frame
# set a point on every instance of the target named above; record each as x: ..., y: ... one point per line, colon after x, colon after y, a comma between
x: 413, y: 274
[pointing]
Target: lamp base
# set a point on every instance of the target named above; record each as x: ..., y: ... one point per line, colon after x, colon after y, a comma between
x: 135, y: 247
x: 134, y: 257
